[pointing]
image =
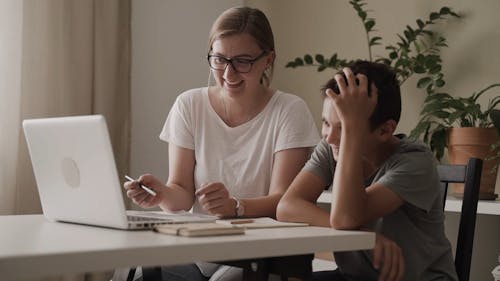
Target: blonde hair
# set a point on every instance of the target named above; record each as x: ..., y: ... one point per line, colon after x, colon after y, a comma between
x: 238, y: 20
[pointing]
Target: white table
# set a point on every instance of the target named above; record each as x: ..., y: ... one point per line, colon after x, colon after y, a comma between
x: 486, y: 242
x: 484, y: 207
x: 31, y: 246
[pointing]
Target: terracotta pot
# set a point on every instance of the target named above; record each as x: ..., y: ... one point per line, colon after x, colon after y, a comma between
x: 467, y: 142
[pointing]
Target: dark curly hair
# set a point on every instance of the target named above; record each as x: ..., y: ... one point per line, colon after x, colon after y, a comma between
x: 389, y: 93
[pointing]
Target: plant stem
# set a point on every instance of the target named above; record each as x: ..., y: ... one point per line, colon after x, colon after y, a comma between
x: 369, y: 47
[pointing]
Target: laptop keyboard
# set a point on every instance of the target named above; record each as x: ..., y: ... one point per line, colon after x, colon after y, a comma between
x: 142, y: 219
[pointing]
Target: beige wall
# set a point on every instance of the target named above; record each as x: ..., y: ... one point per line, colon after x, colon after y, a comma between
x: 325, y: 26
x: 169, y: 45
x: 470, y: 63
x: 11, y: 46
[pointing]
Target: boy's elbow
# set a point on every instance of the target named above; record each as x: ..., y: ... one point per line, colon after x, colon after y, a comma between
x: 283, y: 212
x: 344, y: 223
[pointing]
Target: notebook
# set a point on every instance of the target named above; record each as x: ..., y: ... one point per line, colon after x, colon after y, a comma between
x: 199, y: 229
x: 77, y: 179
x: 262, y: 222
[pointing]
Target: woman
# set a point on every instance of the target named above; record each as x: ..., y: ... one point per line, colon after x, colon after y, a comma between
x: 236, y: 146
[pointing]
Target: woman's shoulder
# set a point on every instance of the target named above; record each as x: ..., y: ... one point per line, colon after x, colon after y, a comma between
x: 190, y: 101
x: 192, y: 94
x: 287, y: 99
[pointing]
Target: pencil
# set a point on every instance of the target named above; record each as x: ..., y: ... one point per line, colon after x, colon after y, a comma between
x: 147, y: 189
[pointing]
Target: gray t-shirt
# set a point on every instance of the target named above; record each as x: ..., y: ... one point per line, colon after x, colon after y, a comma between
x: 417, y: 226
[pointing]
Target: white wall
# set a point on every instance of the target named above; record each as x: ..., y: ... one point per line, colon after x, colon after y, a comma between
x: 169, y: 45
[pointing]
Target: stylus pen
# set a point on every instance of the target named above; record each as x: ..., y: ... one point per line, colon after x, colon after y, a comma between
x: 147, y: 189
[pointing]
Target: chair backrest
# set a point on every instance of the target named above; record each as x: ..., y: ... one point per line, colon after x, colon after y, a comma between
x: 470, y: 176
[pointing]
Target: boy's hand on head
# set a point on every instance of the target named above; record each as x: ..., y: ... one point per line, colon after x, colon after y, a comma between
x: 216, y: 200
x: 353, y: 104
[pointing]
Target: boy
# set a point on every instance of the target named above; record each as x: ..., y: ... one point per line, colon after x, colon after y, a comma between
x: 380, y: 182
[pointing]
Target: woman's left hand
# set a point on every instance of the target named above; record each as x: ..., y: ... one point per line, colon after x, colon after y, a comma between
x: 215, y: 199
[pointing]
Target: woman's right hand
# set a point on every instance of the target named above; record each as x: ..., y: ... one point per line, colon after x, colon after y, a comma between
x: 142, y: 198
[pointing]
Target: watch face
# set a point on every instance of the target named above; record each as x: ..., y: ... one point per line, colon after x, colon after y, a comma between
x: 240, y: 210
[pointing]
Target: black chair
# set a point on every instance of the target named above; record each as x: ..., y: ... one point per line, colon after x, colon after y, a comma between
x: 470, y: 176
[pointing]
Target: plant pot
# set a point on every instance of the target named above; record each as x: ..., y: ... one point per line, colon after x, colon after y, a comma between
x: 467, y: 142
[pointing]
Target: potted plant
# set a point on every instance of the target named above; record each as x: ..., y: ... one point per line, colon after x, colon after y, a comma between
x: 460, y: 125
x: 417, y: 50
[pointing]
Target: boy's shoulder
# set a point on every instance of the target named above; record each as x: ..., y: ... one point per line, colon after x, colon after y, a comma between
x: 412, y: 147
x: 412, y: 152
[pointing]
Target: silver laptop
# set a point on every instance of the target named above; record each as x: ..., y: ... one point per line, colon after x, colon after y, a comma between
x: 77, y: 178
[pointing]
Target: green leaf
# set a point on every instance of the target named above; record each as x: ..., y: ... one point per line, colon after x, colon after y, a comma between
x: 440, y: 97
x: 299, y: 62
x: 321, y: 68
x: 419, y: 69
x: 431, y: 61
x: 440, y: 83
x: 320, y: 58
x: 441, y: 114
x: 430, y: 89
x: 493, y: 103
x: 362, y: 15
x: 423, y: 82
x: 444, y: 10
x: 420, y: 23
x: 457, y: 105
x: 431, y: 108
x: 434, y: 16
x: 374, y: 41
x: 403, y: 41
x: 417, y: 47
x: 454, y: 116
x: 438, y: 142
x: 419, y: 129
x: 308, y: 59
x: 407, y: 35
x: 369, y: 24
x: 495, y: 118
x: 435, y: 69
x: 476, y: 96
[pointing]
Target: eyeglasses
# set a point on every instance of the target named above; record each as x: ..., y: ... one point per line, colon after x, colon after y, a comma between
x: 240, y: 65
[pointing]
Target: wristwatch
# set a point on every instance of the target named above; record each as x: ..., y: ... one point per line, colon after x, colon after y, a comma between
x: 240, y: 209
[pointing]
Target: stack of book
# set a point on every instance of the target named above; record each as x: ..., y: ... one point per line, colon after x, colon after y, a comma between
x: 222, y: 227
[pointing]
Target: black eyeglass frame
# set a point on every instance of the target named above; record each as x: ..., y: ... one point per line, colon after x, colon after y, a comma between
x: 229, y: 61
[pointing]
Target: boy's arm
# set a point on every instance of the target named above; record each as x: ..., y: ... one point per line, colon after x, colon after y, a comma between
x: 353, y: 205
x: 298, y: 204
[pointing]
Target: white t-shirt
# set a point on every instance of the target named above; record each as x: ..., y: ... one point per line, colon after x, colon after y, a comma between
x: 240, y: 157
